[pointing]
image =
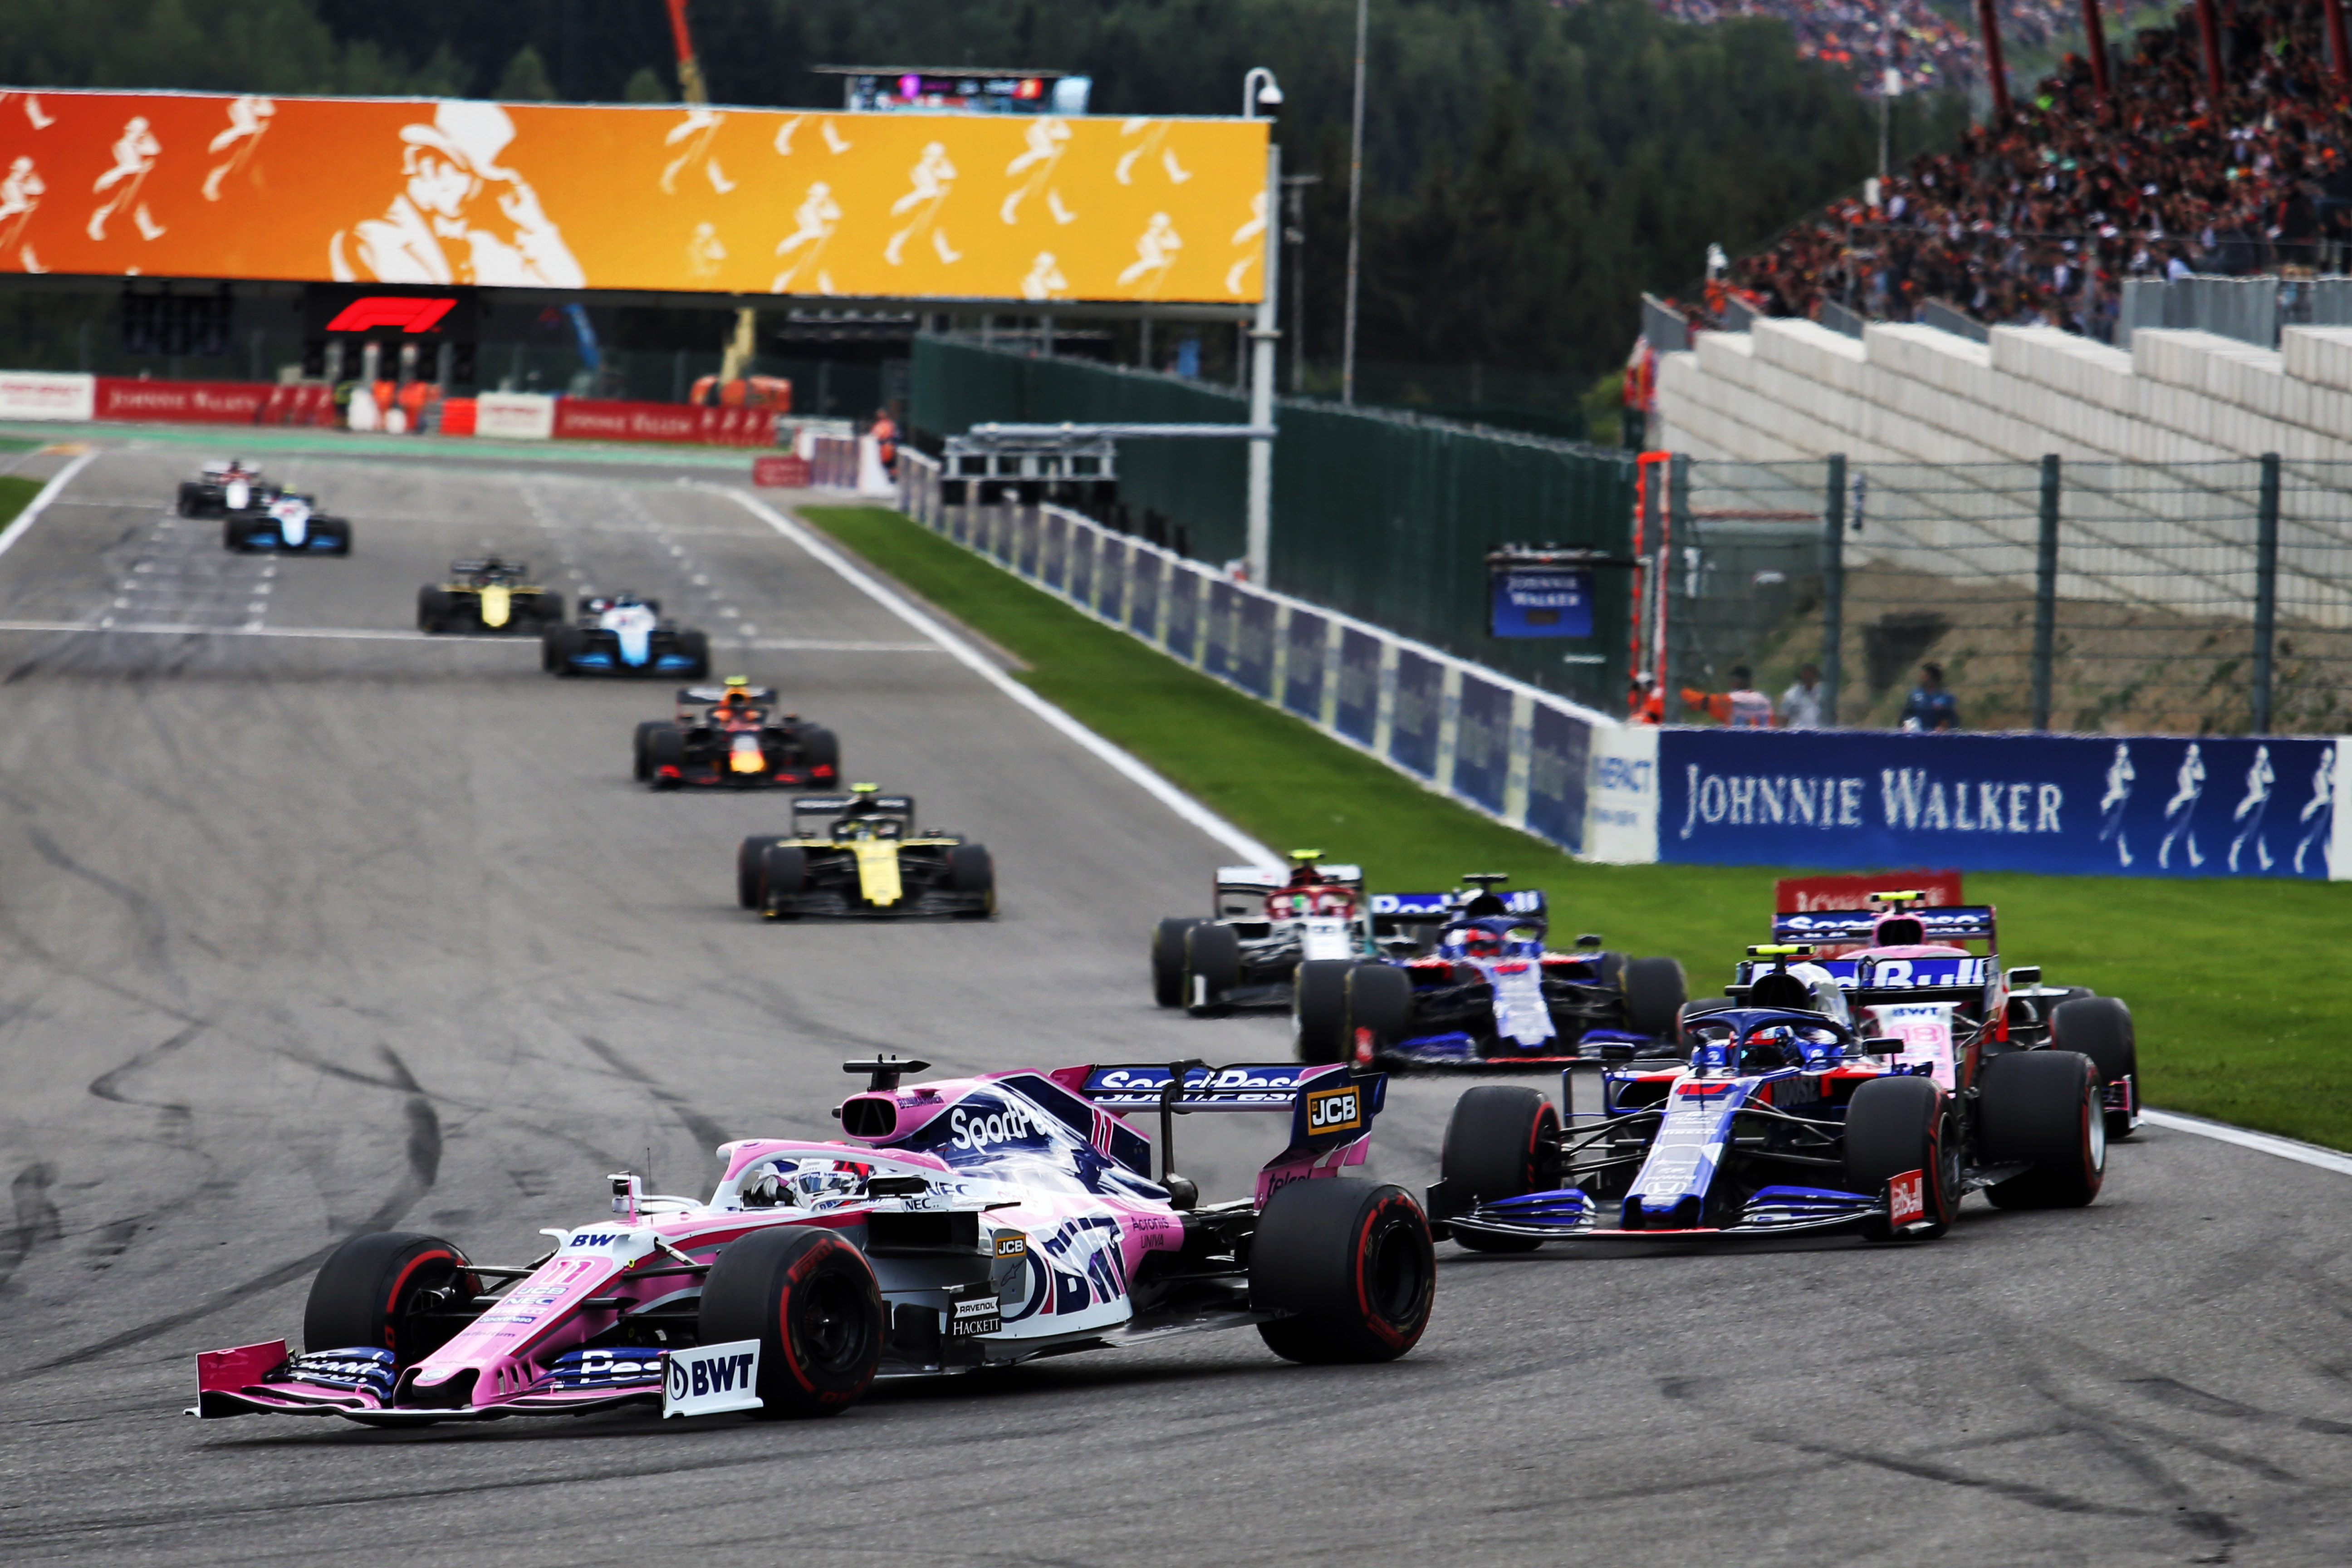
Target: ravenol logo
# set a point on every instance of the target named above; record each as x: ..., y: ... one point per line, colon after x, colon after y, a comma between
x: 1334, y: 1111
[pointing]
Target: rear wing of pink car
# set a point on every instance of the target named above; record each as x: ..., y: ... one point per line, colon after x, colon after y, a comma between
x: 1332, y: 1106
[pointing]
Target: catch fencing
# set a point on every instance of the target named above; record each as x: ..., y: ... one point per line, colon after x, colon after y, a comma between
x: 1501, y: 746
x: 1377, y: 514
x: 2097, y: 597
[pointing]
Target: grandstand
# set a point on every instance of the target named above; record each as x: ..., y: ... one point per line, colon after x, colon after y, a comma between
x: 1926, y: 49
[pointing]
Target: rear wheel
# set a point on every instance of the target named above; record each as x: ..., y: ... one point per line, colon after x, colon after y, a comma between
x: 191, y: 499
x: 1500, y: 1142
x: 665, y: 748
x: 783, y: 873
x: 1351, y: 1261
x: 1379, y: 998
x: 641, y: 758
x: 1168, y: 960
x: 811, y: 1299
x: 2101, y: 1028
x: 821, y: 752
x: 2043, y: 1110
x: 695, y: 646
x: 1212, y: 965
x: 1318, y: 1009
x: 1894, y: 1126
x: 390, y: 1290
x: 546, y: 608
x: 1654, y: 993
x: 969, y: 871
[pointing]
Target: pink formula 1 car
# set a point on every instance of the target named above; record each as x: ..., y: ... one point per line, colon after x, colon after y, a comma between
x: 969, y: 1223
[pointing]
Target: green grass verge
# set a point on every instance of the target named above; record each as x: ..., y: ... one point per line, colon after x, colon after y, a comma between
x: 2241, y: 997
x: 15, y: 495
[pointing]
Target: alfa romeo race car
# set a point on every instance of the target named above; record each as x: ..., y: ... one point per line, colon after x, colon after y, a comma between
x: 288, y: 525
x: 1467, y: 982
x: 1266, y: 923
x: 222, y: 488
x: 731, y: 736
x: 488, y: 596
x: 1793, y: 1113
x: 624, y: 635
x: 869, y: 859
x: 961, y: 1224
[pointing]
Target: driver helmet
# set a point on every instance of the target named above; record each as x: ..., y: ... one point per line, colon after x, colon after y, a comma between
x: 1480, y: 943
x: 1773, y: 1045
x: 825, y: 1184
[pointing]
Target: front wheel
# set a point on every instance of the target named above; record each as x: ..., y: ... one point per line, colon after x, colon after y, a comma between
x: 811, y: 1299
x: 751, y: 871
x: 783, y: 874
x: 970, y: 871
x: 1656, y: 989
x: 1168, y: 960
x: 432, y: 609
x: 1212, y: 965
x: 1380, y: 1000
x: 1896, y: 1127
x: 389, y: 1290
x: 1501, y: 1141
x: 1351, y: 1262
x: 2043, y: 1110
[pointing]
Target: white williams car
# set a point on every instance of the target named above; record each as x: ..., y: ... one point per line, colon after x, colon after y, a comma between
x: 288, y: 524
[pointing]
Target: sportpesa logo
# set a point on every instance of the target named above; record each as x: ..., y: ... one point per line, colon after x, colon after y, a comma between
x: 973, y: 1129
x: 1334, y: 1111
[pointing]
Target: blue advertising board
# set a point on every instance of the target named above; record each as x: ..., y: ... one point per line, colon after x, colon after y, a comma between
x: 1144, y: 593
x: 1252, y: 666
x: 1560, y: 747
x: 1482, y: 742
x: 1302, y: 665
x: 1359, y: 711
x: 1540, y: 602
x: 2082, y: 804
x: 1413, y: 736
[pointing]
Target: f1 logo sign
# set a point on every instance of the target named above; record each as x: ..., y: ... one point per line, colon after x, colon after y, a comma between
x: 409, y: 314
x: 1906, y: 1199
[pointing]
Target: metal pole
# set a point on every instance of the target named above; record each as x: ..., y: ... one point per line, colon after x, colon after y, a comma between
x: 2337, y: 65
x: 1263, y: 337
x: 2209, y: 33
x: 2266, y: 530
x: 1677, y: 508
x: 1356, y: 207
x: 1833, y: 588
x: 2095, y: 40
x: 2045, y: 592
x: 1989, y: 29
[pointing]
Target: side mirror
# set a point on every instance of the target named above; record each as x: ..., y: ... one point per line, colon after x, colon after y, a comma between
x: 2025, y: 977
x: 1882, y: 1046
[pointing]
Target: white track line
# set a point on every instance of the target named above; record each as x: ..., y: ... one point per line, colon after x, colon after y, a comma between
x: 2262, y: 1142
x: 364, y: 633
x: 40, y: 503
x: 1158, y: 788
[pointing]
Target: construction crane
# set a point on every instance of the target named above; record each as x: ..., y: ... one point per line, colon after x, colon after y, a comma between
x: 696, y: 93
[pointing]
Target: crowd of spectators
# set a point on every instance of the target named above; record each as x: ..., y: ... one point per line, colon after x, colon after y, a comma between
x: 1924, y: 47
x: 2039, y: 219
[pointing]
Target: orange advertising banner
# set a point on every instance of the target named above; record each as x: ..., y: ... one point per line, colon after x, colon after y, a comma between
x: 742, y: 201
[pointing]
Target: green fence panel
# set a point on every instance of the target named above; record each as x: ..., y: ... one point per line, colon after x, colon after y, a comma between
x: 1383, y: 516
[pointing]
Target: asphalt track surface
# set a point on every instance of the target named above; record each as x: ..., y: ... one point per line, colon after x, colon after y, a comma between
x: 301, y: 935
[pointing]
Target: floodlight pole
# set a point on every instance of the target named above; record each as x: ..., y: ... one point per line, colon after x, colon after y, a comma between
x: 1355, y: 208
x: 1259, y: 88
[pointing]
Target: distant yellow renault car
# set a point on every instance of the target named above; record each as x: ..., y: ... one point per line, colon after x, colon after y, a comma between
x: 488, y: 596
x: 868, y: 859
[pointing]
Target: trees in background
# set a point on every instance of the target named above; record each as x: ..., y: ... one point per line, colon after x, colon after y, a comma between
x: 1530, y: 167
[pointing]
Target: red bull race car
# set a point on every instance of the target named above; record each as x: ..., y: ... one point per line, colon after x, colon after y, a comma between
x: 731, y: 736
x: 958, y: 1224
x: 1869, y: 1091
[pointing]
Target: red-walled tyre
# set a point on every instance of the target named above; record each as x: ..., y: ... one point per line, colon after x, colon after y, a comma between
x: 1351, y: 1262
x: 390, y: 1291
x: 811, y: 1299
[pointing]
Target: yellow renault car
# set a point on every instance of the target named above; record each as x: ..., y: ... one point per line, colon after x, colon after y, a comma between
x: 869, y: 858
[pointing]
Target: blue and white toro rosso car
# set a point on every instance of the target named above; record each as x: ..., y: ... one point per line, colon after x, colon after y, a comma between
x: 624, y: 634
x: 1468, y: 983
x: 1792, y: 1113
x: 963, y: 1224
x: 285, y: 524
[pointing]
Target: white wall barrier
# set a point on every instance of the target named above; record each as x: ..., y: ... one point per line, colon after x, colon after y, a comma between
x: 37, y: 394
x: 1504, y: 748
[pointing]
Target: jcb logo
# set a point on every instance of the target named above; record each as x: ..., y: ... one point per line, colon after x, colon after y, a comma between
x: 1334, y: 1111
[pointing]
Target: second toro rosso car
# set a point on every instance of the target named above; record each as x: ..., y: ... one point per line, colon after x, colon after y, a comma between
x: 1864, y: 1092
x: 1267, y: 922
x: 222, y: 488
x: 488, y: 596
x: 869, y: 859
x: 731, y: 737
x: 1466, y: 981
x: 622, y: 634
x: 286, y: 525
x: 958, y: 1224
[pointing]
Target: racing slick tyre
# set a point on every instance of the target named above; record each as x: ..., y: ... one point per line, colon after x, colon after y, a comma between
x: 561, y: 646
x: 337, y: 532
x: 232, y: 536
x: 1213, y: 966
x: 2043, y: 1110
x: 191, y: 497
x: 1654, y: 993
x: 1168, y: 960
x: 1318, y: 1009
x: 665, y: 748
x: 784, y: 871
x: 695, y: 646
x: 1379, y: 998
x: 751, y: 871
x: 642, y: 766
x: 385, y: 1291
x: 1500, y: 1142
x: 1352, y: 1260
x: 1894, y: 1126
x: 547, y: 609
x: 969, y: 871
x: 432, y: 609
x: 2101, y: 1028
x: 821, y: 749
x: 811, y: 1299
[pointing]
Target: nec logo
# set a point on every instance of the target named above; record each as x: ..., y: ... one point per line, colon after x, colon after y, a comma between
x: 1334, y: 1111
x: 410, y: 315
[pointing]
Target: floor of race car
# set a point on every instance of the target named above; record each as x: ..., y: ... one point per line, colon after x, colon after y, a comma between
x: 304, y: 932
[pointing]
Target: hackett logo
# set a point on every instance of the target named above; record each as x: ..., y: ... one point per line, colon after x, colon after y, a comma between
x: 1908, y: 798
